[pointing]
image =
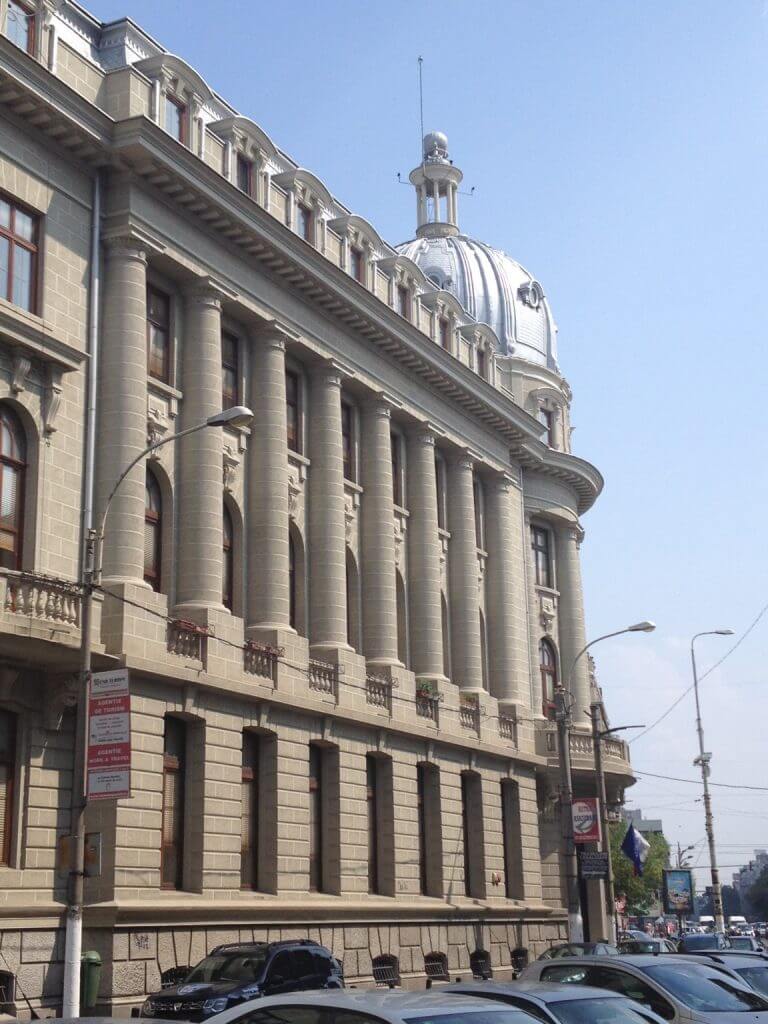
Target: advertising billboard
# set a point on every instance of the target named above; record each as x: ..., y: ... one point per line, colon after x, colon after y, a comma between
x: 586, y: 820
x: 678, y: 891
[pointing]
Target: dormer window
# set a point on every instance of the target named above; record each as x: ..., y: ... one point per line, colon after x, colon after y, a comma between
x: 482, y: 363
x: 20, y: 25
x: 176, y: 118
x: 404, y: 301
x: 357, y: 264
x: 443, y: 333
x: 547, y: 417
x: 244, y: 174
x: 304, y: 222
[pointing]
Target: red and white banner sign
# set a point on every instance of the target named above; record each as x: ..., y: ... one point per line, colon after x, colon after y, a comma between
x: 586, y: 820
x: 109, y: 736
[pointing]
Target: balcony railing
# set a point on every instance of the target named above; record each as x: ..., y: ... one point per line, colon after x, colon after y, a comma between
x: 43, y: 599
x: 324, y: 677
x: 261, y: 660
x: 469, y: 715
x: 378, y: 692
x: 187, y: 639
x: 428, y: 706
x: 508, y: 728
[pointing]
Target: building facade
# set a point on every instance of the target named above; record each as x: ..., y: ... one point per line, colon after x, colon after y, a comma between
x: 343, y: 623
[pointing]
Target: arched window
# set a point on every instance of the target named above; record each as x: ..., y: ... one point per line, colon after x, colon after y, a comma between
x: 548, y: 668
x: 153, y: 528
x: 13, y: 465
x: 228, y: 576
x: 292, y: 581
x: 297, y: 584
x: 353, y: 603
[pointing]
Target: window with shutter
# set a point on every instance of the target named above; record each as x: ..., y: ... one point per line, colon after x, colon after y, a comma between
x: 249, y: 832
x: 174, y: 771
x: 7, y: 780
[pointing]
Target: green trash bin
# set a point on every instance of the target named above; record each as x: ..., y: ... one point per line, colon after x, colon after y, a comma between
x: 90, y: 976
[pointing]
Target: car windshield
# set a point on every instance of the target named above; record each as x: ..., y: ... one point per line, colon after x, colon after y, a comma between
x: 741, y: 942
x: 701, y: 942
x: 242, y: 966
x: 701, y: 992
x: 484, y: 1016
x: 596, y: 1011
x: 756, y: 978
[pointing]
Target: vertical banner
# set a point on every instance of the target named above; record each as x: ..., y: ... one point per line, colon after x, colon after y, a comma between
x: 586, y: 820
x: 109, y: 736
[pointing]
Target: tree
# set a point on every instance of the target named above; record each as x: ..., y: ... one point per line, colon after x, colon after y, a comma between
x: 731, y: 902
x: 641, y: 891
x: 758, y: 895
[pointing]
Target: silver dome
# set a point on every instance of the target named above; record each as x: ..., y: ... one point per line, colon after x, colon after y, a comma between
x: 493, y: 289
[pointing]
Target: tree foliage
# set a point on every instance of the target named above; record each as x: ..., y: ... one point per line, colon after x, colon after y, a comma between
x: 731, y: 902
x: 641, y: 892
x: 758, y: 895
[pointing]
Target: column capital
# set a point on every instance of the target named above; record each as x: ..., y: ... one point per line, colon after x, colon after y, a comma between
x: 381, y: 404
x: 426, y: 433
x: 126, y: 247
x: 332, y: 373
x: 465, y: 458
x: 205, y: 291
x: 501, y: 482
x: 273, y: 334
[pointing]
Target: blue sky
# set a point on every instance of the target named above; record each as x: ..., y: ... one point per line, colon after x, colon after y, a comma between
x: 618, y: 150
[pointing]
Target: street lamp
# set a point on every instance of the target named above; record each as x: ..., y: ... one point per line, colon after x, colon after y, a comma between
x: 703, y: 761
x: 563, y: 718
x: 238, y: 416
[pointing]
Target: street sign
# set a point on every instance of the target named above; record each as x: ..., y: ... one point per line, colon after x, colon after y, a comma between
x: 678, y: 891
x: 593, y: 864
x: 586, y: 821
x: 109, y: 736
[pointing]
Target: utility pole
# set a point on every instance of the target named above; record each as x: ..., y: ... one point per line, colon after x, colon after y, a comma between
x: 703, y: 761
x: 563, y: 718
x: 597, y: 742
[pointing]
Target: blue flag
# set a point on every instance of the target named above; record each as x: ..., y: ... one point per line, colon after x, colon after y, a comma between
x: 635, y: 848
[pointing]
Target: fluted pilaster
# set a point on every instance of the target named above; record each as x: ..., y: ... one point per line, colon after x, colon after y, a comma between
x: 378, y: 537
x: 200, y: 561
x: 572, y: 629
x: 424, y: 557
x: 327, y: 551
x: 466, y: 651
x: 268, y: 591
x: 506, y: 592
x: 123, y: 408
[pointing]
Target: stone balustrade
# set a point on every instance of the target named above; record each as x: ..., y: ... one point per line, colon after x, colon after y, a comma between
x: 324, y: 677
x: 261, y: 660
x: 43, y: 599
x: 187, y: 640
x: 378, y: 692
x: 469, y: 714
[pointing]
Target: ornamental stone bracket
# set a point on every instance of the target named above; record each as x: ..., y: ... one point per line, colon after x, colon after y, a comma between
x: 400, y: 528
x: 53, y: 390
x: 21, y: 365
x: 297, y: 480
x: 352, y: 494
x: 231, y: 464
x: 63, y: 694
x: 547, y: 613
x: 482, y: 560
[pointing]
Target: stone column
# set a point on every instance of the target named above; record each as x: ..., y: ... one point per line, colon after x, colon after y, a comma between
x: 327, y: 532
x: 506, y: 598
x: 466, y: 654
x: 200, y: 491
x: 122, y: 422
x: 572, y: 629
x: 267, y: 522
x: 378, y: 536
x: 424, y: 557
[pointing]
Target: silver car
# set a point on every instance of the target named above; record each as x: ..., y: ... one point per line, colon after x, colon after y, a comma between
x: 749, y: 968
x: 361, y: 1006
x: 551, y: 1003
x: 676, y: 988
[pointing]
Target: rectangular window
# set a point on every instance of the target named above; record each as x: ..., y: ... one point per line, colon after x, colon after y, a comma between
x: 315, y: 818
x: 176, y: 118
x: 397, y: 469
x: 18, y: 255
x: 479, y: 502
x: 430, y: 830
x: 542, y: 558
x: 304, y: 222
x: 482, y: 363
x: 441, y: 493
x: 7, y: 782
x: 348, y: 440
x: 513, y: 847
x: 293, y: 410
x: 20, y: 25
x: 472, y: 826
x: 249, y: 821
x: 357, y: 264
x: 244, y: 174
x: 546, y: 417
x: 230, y: 371
x: 372, y: 799
x: 158, y: 334
x: 404, y: 301
x: 443, y: 336
x: 174, y: 777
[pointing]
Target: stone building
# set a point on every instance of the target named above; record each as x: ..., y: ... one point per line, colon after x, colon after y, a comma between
x: 344, y: 622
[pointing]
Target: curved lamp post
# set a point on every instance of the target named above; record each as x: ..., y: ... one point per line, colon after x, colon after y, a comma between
x: 703, y: 761
x: 563, y: 718
x: 238, y: 416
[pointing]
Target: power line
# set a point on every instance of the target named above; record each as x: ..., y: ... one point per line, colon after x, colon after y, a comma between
x: 697, y: 782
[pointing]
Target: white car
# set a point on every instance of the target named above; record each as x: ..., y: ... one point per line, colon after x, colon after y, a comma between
x: 675, y: 988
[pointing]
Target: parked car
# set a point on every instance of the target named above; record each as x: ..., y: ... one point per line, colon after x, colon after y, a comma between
x: 242, y: 971
x: 558, y: 1004
x: 579, y: 949
x: 648, y: 946
x: 365, y: 1006
x: 711, y: 940
x: 745, y: 944
x: 676, y: 988
x: 750, y: 968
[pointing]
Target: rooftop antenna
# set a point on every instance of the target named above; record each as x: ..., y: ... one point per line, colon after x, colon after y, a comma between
x: 421, y: 107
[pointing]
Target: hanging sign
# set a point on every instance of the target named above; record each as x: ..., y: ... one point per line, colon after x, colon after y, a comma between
x: 586, y: 820
x: 593, y: 864
x: 109, y: 736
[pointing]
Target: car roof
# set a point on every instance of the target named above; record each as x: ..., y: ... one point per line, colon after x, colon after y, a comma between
x: 543, y: 991
x: 392, y: 1005
x: 233, y: 947
x: 639, y: 960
